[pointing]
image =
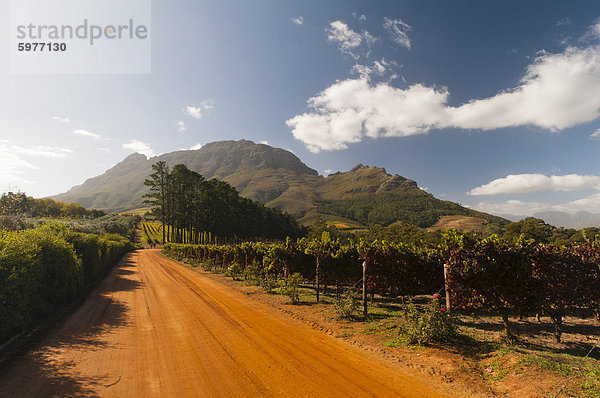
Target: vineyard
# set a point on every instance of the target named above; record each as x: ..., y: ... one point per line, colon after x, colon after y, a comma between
x: 482, y: 274
x: 153, y: 231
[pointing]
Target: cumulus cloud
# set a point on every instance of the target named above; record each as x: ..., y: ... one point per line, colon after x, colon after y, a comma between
x: 517, y: 207
x: 140, y: 147
x: 557, y: 91
x: 351, y: 109
x: 529, y: 183
x: 181, y: 126
x: 596, y: 134
x: 196, y: 147
x: 89, y: 134
x: 265, y: 142
x: 348, y: 40
x: 59, y: 119
x: 398, y: 31
x: 298, y: 21
x: 198, y: 112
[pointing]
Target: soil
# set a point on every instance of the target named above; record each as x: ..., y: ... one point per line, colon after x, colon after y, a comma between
x: 157, y: 328
x: 482, y: 366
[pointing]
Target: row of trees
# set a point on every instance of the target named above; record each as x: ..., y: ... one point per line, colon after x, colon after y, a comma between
x: 191, y: 205
x: 19, y: 204
x: 488, y: 274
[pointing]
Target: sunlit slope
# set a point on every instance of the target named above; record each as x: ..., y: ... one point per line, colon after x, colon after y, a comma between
x: 362, y: 196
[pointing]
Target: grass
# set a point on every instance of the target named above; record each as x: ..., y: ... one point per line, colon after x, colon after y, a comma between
x: 583, y: 373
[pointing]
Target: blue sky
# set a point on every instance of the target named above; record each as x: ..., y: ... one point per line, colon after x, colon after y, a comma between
x: 489, y: 104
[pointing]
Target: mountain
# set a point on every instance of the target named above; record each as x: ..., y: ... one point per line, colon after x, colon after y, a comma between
x: 579, y: 220
x: 278, y: 178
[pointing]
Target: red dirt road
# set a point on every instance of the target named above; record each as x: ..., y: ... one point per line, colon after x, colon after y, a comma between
x: 157, y: 329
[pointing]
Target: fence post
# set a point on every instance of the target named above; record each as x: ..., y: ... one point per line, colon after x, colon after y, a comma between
x: 317, y: 277
x: 364, y: 292
x: 446, y: 287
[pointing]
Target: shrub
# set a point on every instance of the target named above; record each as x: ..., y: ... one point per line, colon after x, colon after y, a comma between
x: 268, y: 282
x: 434, y: 324
x: 347, y: 306
x: 292, y: 289
x: 234, y: 271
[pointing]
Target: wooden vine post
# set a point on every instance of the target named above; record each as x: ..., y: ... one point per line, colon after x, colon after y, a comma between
x: 446, y: 287
x: 317, y: 277
x: 364, y: 292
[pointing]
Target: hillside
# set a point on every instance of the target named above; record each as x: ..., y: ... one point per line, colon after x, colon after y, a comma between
x: 361, y: 196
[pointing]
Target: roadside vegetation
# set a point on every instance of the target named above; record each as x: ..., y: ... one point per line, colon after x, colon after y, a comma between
x: 48, y: 258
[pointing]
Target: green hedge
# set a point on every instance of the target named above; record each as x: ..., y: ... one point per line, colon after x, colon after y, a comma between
x: 43, y: 269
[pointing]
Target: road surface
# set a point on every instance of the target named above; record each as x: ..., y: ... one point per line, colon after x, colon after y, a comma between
x: 155, y: 328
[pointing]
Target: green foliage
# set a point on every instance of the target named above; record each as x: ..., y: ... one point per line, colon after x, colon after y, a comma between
x: 111, y: 224
x: 410, y: 206
x: 348, y: 305
x: 529, y: 229
x: 483, y: 274
x: 43, y: 269
x: 401, y: 233
x: 292, y: 288
x: 269, y: 283
x: 19, y: 203
x: 190, y: 206
x: 433, y: 324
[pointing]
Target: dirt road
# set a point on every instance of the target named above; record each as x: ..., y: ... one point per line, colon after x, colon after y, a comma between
x: 157, y: 329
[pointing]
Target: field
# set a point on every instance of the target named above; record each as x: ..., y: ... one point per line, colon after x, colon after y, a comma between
x: 478, y: 363
x: 151, y: 231
x: 507, y: 353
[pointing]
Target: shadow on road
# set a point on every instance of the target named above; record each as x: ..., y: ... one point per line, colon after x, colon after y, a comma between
x: 99, y: 315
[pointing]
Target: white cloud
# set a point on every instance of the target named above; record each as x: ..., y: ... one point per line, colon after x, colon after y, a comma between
x: 196, y: 147
x: 265, y: 142
x: 347, y: 39
x: 13, y: 166
x: 181, y: 127
x: 61, y: 119
x: 529, y: 183
x: 140, y: 147
x: 104, y: 149
x: 590, y: 204
x: 327, y: 171
x: 198, y: 112
x: 298, y: 21
x: 351, y: 109
x: 37, y: 150
x: 378, y: 68
x: 362, y: 18
x: 398, y: 31
x: 85, y: 133
x: 558, y: 91
x: 596, y: 134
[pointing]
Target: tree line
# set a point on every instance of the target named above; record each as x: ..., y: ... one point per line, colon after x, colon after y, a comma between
x: 190, y: 207
x: 19, y: 204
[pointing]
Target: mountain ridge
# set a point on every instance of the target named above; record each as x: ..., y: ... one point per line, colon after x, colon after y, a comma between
x: 278, y: 178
